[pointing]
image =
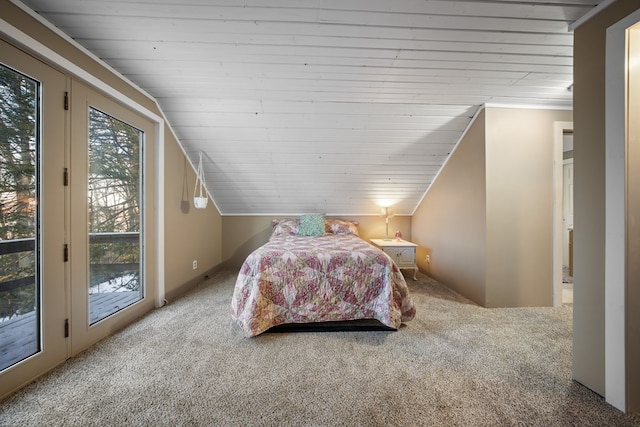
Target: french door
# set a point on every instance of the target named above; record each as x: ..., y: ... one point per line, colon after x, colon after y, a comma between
x: 108, y: 246
x: 75, y: 258
x: 33, y: 279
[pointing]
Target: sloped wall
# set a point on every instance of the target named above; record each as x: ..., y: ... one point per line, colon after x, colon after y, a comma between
x: 449, y: 225
x: 190, y: 233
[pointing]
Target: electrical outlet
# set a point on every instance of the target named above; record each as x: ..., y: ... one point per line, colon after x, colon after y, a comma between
x: 195, y: 264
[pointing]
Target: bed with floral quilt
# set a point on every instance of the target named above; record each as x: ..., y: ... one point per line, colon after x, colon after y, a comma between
x: 323, y: 275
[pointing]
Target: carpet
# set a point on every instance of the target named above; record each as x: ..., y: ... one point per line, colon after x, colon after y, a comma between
x: 455, y: 364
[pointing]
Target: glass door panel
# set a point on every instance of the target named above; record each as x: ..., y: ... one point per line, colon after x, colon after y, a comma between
x: 114, y: 214
x: 109, y: 249
x: 33, y: 286
x: 19, y: 263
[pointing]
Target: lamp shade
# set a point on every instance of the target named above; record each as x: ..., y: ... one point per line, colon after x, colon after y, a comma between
x: 385, y: 212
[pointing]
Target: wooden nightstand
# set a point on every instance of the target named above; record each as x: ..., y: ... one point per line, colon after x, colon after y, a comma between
x: 403, y: 253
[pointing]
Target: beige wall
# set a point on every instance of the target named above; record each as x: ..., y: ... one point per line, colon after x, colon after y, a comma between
x: 487, y: 220
x: 589, y: 195
x: 181, y: 249
x: 449, y: 224
x: 520, y: 184
x: 190, y: 233
x: 243, y: 234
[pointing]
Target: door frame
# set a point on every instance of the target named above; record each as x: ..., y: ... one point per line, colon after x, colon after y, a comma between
x: 565, y: 233
x: 621, y: 308
x: 84, y: 333
x: 559, y: 129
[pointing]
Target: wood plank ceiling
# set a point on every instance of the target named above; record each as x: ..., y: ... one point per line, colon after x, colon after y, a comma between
x: 329, y: 106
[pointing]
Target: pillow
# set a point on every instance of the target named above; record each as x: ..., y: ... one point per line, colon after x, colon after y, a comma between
x: 339, y: 226
x: 311, y: 225
x: 285, y: 227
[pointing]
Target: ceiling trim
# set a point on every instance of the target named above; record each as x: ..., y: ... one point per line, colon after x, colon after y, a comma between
x: 67, y: 66
x: 528, y: 106
x: 587, y: 16
x: 78, y: 46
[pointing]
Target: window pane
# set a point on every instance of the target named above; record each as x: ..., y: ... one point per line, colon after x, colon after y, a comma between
x: 19, y: 287
x: 115, y: 213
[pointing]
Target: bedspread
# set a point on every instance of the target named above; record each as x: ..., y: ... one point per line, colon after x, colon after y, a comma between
x: 295, y: 279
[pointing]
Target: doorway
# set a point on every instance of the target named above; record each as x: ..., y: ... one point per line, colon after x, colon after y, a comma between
x: 567, y: 217
x: 562, y: 286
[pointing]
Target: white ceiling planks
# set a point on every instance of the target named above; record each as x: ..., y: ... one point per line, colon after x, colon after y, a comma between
x: 327, y: 105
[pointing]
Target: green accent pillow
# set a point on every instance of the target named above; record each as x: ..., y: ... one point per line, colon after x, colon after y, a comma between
x: 311, y: 225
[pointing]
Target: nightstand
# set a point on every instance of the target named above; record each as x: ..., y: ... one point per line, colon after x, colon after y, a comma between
x: 403, y: 253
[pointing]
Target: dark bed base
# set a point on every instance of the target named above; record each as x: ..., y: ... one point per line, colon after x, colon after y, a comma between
x: 339, y: 326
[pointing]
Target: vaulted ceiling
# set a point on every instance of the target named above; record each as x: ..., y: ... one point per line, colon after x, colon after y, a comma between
x: 332, y: 106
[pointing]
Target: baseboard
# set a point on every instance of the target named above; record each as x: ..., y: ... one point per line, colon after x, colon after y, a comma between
x: 186, y: 287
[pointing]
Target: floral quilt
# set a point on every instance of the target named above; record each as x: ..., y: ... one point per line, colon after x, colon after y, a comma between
x: 335, y: 277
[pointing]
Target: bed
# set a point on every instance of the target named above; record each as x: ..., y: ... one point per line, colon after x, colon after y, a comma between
x: 329, y: 276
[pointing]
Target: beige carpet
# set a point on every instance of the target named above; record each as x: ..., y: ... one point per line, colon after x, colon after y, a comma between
x: 455, y: 364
